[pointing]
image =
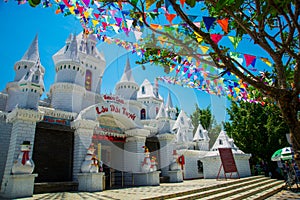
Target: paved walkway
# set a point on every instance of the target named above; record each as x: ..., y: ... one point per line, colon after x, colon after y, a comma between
x: 136, y: 193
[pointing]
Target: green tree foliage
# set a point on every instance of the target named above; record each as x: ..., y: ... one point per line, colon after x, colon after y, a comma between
x: 271, y: 26
x: 202, y: 116
x: 214, y: 133
x: 208, y: 121
x: 259, y: 130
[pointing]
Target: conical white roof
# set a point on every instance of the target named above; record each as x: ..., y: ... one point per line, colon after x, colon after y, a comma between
x: 80, y: 40
x: 180, y: 136
x: 32, y: 53
x: 201, y: 134
x: 182, y: 121
x: 127, y: 75
x: 148, y: 90
x: 71, y: 53
x: 223, y: 141
x: 169, y: 103
x: 162, y: 112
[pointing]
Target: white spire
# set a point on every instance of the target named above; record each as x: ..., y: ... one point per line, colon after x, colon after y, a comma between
x: 169, y: 103
x: 222, y: 142
x: 127, y: 75
x: 32, y: 52
x: 71, y: 52
x: 162, y: 112
x: 201, y: 134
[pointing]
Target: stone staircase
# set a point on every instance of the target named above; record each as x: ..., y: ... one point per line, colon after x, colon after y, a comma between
x: 255, y: 187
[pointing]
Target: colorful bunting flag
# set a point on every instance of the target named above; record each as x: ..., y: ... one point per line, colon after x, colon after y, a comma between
x: 156, y: 26
x: 192, y: 17
x: 208, y: 21
x: 149, y: 3
x: 170, y: 17
x: 182, y: 2
x: 216, y: 38
x: 267, y: 61
x: 204, y: 49
x: 235, y: 41
x: 224, y: 24
x: 249, y: 59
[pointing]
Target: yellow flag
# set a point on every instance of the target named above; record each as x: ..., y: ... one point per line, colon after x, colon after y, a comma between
x: 237, y: 90
x: 149, y: 3
x: 199, y: 37
x: 72, y: 10
x: 266, y: 60
x: 95, y: 22
x: 171, y: 69
x: 86, y: 14
x: 204, y: 49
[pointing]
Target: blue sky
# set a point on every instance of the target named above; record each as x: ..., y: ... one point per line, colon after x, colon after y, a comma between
x: 20, y: 24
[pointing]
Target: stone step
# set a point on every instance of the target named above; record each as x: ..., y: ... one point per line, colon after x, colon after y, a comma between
x: 246, y: 191
x: 225, y: 191
x: 232, y: 183
x: 265, y: 193
x: 55, y: 187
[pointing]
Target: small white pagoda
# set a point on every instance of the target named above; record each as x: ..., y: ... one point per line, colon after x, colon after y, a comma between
x: 212, y: 162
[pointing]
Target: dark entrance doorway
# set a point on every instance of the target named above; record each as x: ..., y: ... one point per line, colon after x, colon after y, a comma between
x: 53, y: 153
x: 152, y: 143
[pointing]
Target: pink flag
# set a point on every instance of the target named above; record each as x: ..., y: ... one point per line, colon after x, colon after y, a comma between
x: 216, y: 37
x: 250, y: 59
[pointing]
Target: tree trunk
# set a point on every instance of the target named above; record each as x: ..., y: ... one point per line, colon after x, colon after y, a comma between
x: 289, y: 105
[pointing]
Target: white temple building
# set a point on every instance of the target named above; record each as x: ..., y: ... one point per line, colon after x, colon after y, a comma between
x: 76, y: 114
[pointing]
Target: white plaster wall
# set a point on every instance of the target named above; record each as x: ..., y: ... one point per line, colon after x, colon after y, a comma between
x: 15, y: 96
x: 70, y: 75
x: 5, y: 133
x: 190, y: 169
x: 128, y: 90
x: 3, y: 101
x: 211, y: 166
x: 134, y: 154
x: 21, y: 131
x: 22, y: 71
x: 166, y: 155
x: 67, y: 97
x: 33, y: 99
x: 82, y: 141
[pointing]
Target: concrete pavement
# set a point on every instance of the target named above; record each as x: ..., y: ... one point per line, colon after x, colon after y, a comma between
x: 136, y: 193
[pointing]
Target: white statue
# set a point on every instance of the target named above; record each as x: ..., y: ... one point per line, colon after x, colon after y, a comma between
x: 153, y: 166
x: 146, y: 164
x: 24, y: 164
x: 175, y: 162
x: 90, y: 163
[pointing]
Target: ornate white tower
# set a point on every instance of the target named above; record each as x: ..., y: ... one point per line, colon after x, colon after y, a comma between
x: 68, y: 90
x: 163, y: 121
x: 79, y: 69
x: 28, y: 85
x: 171, y: 111
x: 149, y: 96
x: 127, y: 88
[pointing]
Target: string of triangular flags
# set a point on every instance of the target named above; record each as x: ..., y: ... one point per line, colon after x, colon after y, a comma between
x: 113, y: 18
x: 96, y: 19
